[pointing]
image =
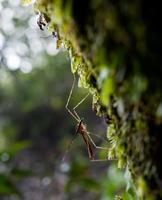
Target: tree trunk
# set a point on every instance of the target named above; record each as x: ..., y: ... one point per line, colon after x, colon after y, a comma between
x: 115, y: 48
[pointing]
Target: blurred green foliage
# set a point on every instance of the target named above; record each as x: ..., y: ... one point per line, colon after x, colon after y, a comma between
x: 9, y: 173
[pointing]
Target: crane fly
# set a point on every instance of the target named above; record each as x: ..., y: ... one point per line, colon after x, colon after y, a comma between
x: 81, y: 128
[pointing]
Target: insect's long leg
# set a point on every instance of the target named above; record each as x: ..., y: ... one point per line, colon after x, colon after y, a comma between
x: 97, y: 147
x: 101, y: 160
x: 89, y: 142
x: 89, y: 146
x: 74, y: 108
x: 98, y: 136
x: 76, y: 117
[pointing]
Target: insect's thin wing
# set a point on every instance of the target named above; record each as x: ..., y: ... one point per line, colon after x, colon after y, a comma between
x: 89, y: 146
x: 68, y: 148
x: 98, y: 136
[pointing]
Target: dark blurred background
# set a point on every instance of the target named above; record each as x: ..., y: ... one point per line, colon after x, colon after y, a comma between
x: 35, y: 128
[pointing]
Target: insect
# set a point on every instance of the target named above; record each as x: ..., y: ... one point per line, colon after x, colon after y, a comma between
x: 81, y: 128
x: 42, y: 20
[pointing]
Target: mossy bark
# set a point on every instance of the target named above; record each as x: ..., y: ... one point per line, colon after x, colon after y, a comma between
x: 115, y: 48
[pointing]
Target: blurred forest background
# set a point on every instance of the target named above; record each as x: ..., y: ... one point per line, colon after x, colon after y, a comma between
x: 35, y: 128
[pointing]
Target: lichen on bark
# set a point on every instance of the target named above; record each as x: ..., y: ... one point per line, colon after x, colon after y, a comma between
x: 114, y: 47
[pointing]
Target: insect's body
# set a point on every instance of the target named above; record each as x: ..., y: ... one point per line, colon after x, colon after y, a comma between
x: 82, y: 130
